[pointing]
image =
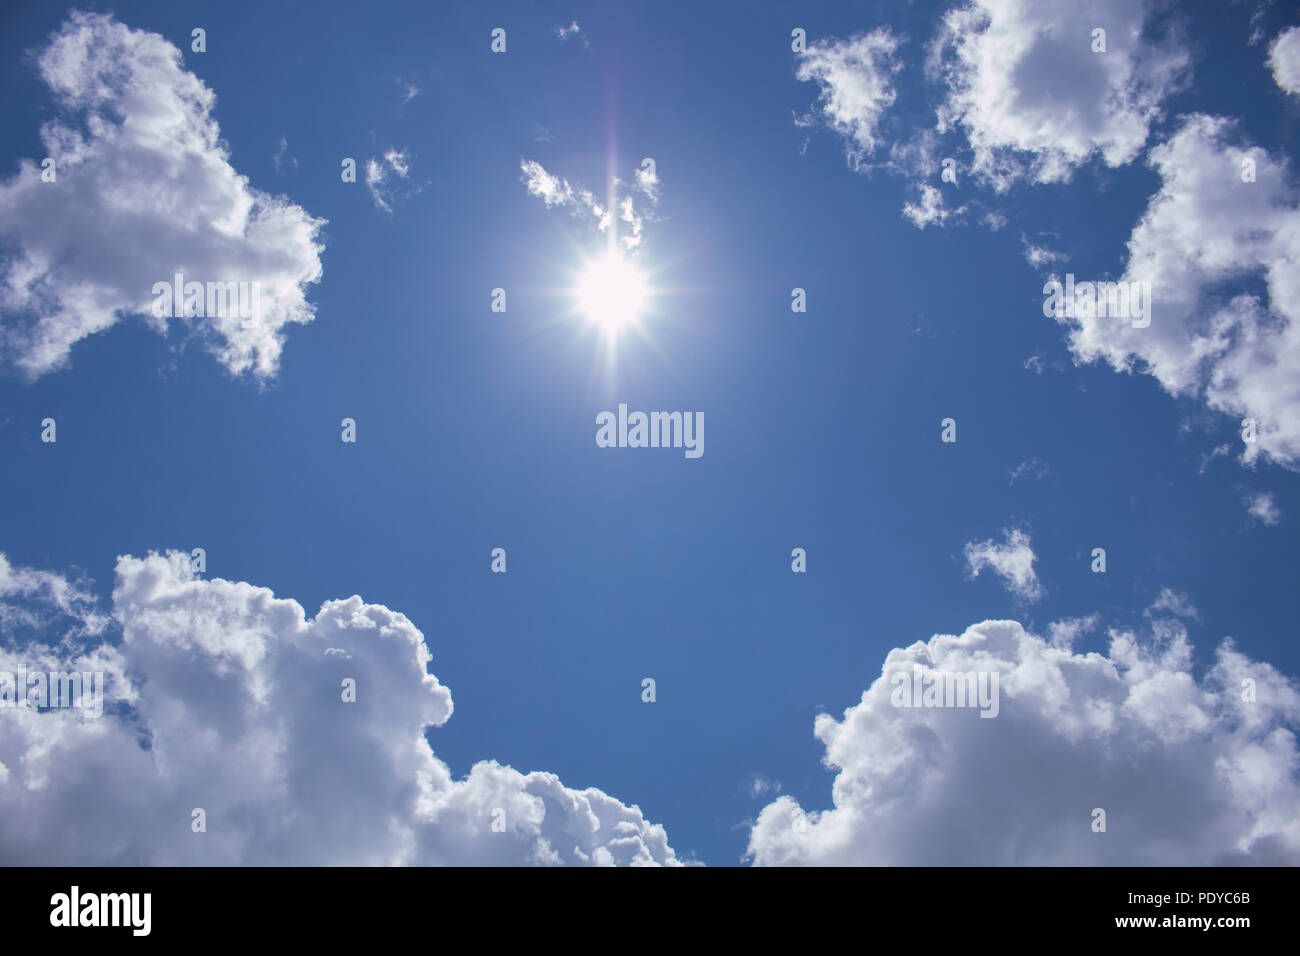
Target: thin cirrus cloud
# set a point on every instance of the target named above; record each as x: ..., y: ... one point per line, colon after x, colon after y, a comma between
x: 144, y: 190
x: 1189, y: 770
x: 221, y: 696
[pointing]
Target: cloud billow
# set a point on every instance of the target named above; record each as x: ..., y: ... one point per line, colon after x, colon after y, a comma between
x: 224, y: 697
x: 144, y: 190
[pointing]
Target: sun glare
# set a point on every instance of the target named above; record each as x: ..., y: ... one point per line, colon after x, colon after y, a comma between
x: 611, y: 292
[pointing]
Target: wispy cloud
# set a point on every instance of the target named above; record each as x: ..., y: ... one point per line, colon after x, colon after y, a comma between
x: 557, y: 191
x: 1032, y: 469
x: 931, y: 210
x: 282, y: 160
x: 573, y: 31
x: 856, y: 82
x: 1039, y: 255
x: 1012, y: 561
x: 381, y: 171
x: 1263, y: 508
x: 1169, y: 601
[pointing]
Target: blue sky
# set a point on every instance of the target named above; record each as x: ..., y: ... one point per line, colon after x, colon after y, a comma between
x: 475, y: 428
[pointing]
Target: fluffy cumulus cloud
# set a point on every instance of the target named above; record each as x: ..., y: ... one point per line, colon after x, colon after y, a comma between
x: 1224, y: 221
x: 583, y: 204
x: 1012, y: 561
x: 1189, y: 770
x: 856, y: 81
x: 1284, y: 60
x: 1033, y: 98
x: 1025, y: 91
x: 144, y: 190
x: 221, y: 696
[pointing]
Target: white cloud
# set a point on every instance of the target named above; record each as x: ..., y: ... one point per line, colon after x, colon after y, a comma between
x: 1173, y: 602
x: 930, y: 211
x: 1031, y: 96
x: 39, y: 601
x: 1216, y: 452
x: 1187, y: 771
x: 582, y: 203
x: 1031, y: 469
x: 1038, y: 255
x: 1263, y: 508
x: 760, y: 785
x: 856, y: 81
x: 572, y: 30
x: 380, y: 172
x: 1284, y: 60
x: 1063, y: 634
x: 1203, y: 229
x: 227, y: 698
x: 557, y: 191
x: 627, y: 213
x: 1012, y: 561
x: 647, y: 181
x: 282, y: 159
x: 552, y: 190
x: 145, y: 189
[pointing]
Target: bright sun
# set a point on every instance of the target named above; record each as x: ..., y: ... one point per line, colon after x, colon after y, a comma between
x: 611, y: 292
